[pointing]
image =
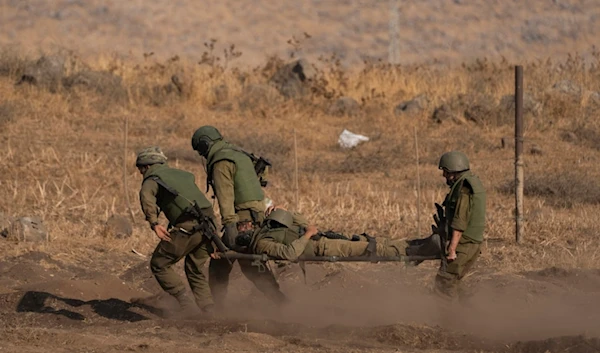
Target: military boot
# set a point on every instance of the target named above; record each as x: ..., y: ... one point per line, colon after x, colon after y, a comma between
x: 186, y: 303
x: 429, y: 246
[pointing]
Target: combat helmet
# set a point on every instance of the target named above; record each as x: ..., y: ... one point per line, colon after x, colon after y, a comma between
x: 454, y: 161
x: 204, y: 138
x: 280, y: 217
x: 150, y: 155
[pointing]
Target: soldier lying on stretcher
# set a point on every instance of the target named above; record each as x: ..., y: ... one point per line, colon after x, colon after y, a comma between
x: 286, y: 236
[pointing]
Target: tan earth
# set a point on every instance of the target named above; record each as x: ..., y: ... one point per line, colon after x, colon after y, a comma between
x: 62, y: 148
x: 85, y: 306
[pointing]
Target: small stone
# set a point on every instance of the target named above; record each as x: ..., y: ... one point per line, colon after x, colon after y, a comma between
x: 28, y: 229
x: 118, y: 226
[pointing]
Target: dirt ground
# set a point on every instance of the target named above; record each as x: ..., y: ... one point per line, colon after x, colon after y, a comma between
x: 50, y: 304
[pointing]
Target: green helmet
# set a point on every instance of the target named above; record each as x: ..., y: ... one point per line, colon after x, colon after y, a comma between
x: 282, y: 217
x: 150, y: 155
x: 204, y: 138
x: 454, y: 161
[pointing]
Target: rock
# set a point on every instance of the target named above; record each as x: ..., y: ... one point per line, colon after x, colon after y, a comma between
x: 445, y: 113
x: 47, y: 71
x: 291, y: 79
x: 594, y: 100
x: 569, y: 136
x: 413, y: 106
x: 567, y: 87
x: 5, y: 224
x: 29, y: 229
x: 258, y: 96
x: 536, y: 150
x: 530, y: 105
x: 481, y: 109
x: 118, y: 226
x: 102, y: 82
x: 344, y: 106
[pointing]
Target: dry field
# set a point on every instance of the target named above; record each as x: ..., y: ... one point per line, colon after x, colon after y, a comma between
x: 72, y: 120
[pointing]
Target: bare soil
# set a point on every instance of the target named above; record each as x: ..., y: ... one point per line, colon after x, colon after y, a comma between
x: 49, y: 305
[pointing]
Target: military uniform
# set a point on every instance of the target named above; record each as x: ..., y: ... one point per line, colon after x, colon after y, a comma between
x: 286, y: 242
x: 186, y: 232
x: 241, y: 203
x: 464, y: 209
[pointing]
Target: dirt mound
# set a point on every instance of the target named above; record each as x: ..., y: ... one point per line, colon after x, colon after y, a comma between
x: 579, y: 344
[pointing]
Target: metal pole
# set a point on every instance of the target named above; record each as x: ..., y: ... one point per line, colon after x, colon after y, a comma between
x: 418, y: 185
x: 519, y: 153
x: 297, y: 198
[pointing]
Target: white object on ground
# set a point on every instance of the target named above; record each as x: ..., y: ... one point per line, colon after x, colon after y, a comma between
x: 348, y: 139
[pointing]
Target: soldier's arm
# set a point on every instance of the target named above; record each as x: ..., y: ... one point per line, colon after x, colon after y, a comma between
x: 463, y: 210
x: 461, y: 219
x: 148, y: 194
x: 280, y: 251
x: 223, y: 185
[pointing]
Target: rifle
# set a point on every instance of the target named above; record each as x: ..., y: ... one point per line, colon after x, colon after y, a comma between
x: 442, y: 230
x: 206, y: 224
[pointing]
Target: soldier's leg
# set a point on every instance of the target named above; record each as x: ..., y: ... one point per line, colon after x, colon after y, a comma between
x: 218, y: 279
x: 474, y: 250
x: 447, y: 282
x: 164, y: 257
x: 264, y: 280
x: 391, y: 247
x: 194, y: 262
x: 339, y: 247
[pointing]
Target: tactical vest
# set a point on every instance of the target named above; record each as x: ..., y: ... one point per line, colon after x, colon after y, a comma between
x: 279, y: 235
x: 476, y: 225
x: 182, y: 181
x: 246, y: 184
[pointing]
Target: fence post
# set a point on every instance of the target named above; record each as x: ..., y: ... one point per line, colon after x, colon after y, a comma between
x: 518, y: 153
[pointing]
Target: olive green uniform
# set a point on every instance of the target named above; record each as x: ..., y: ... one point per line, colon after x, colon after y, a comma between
x: 465, y: 208
x: 241, y: 199
x: 276, y: 243
x: 186, y: 239
x: 287, y: 243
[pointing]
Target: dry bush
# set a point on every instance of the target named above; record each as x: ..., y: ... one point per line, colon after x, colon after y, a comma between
x: 12, y: 63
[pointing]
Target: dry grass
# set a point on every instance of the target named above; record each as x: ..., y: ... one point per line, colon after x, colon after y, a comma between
x: 62, y: 155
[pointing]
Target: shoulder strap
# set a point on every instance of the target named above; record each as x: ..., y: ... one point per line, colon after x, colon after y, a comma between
x: 160, y: 182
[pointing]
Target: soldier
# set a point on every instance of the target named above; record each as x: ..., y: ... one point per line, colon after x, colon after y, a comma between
x: 286, y: 236
x: 173, y: 192
x: 238, y: 190
x: 464, y: 210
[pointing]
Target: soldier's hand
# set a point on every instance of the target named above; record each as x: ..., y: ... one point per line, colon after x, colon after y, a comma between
x: 161, y: 233
x: 310, y: 231
x: 215, y: 255
x: 451, y: 256
x: 229, y: 235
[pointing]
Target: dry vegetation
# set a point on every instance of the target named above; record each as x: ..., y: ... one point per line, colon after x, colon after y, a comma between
x: 64, y: 144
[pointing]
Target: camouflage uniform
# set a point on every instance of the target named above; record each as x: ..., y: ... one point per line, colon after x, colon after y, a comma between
x: 464, y: 208
x: 187, y: 238
x: 242, y: 207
